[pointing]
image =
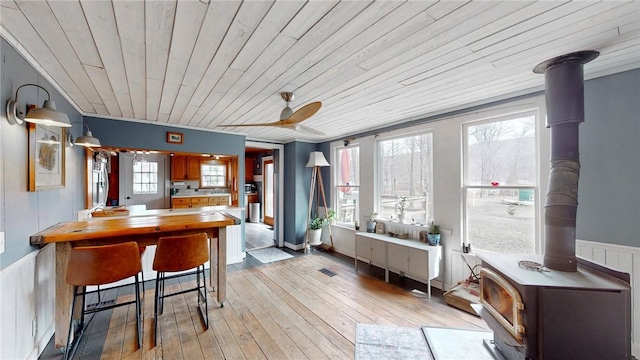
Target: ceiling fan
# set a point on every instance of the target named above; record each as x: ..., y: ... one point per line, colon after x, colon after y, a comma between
x: 290, y: 119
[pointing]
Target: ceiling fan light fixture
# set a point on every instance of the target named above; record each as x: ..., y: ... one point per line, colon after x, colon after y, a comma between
x: 286, y: 113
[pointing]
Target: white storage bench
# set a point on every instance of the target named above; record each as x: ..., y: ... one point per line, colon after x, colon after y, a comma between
x: 402, y: 256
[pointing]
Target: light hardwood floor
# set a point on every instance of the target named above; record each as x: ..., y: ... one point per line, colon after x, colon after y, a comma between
x: 283, y: 310
x: 258, y: 235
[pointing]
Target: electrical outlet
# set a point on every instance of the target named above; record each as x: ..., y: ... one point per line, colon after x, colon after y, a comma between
x: 1, y: 242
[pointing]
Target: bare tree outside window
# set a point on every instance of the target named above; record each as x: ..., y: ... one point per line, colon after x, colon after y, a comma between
x: 406, y: 170
x: 500, y: 183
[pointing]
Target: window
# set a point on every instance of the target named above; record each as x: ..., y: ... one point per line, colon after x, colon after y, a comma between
x: 406, y: 170
x: 212, y: 175
x: 145, y: 177
x: 499, y: 185
x: 348, y: 184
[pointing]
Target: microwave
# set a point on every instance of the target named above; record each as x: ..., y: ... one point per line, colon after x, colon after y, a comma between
x: 250, y: 188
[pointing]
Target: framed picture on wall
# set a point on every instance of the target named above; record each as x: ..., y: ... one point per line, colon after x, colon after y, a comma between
x: 175, y: 137
x: 46, y: 157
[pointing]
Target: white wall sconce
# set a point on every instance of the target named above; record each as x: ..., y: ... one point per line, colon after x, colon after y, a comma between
x: 86, y: 140
x: 46, y: 115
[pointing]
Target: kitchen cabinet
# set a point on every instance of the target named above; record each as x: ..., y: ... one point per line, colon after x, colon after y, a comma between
x: 185, y: 168
x: 199, y: 201
x: 219, y: 200
x: 252, y: 198
x: 248, y: 169
x: 180, y: 203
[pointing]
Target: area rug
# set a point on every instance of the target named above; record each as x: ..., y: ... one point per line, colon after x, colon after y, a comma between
x: 390, y: 342
x: 270, y: 254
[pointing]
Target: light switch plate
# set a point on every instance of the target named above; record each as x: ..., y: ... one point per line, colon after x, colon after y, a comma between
x: 1, y: 242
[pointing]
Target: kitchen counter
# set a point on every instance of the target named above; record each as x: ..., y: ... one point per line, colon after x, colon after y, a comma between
x: 195, y: 194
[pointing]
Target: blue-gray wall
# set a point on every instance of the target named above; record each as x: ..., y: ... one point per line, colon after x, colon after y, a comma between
x: 126, y: 134
x: 24, y: 213
x: 297, y: 181
x: 609, y: 188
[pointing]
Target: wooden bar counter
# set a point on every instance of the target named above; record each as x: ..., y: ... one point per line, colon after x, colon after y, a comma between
x: 145, y: 230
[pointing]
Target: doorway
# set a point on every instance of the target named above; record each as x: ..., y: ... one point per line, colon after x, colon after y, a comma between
x: 268, y: 190
x: 143, y: 180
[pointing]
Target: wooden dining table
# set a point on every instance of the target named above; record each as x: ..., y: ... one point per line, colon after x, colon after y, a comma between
x: 145, y: 230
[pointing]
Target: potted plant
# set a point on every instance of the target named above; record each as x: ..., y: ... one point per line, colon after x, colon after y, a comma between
x: 433, y: 236
x: 371, y: 223
x: 331, y: 216
x: 315, y: 230
x: 401, y: 202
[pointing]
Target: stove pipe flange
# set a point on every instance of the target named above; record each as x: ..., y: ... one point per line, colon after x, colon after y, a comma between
x: 564, y: 92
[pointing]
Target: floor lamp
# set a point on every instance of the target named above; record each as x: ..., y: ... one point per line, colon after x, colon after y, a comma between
x: 316, y: 161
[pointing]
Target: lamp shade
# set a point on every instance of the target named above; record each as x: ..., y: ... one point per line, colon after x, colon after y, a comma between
x: 316, y: 158
x: 87, y: 140
x: 48, y: 115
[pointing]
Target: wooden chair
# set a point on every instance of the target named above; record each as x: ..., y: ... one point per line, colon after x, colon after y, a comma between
x: 100, y: 265
x: 180, y: 253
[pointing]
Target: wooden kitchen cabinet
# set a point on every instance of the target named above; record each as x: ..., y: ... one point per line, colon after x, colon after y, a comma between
x: 193, y: 168
x: 218, y: 200
x: 180, y: 203
x: 248, y: 169
x: 252, y: 198
x: 199, y: 201
x: 185, y: 168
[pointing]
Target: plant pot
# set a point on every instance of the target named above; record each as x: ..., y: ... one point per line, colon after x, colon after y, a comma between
x: 371, y: 226
x: 315, y: 237
x: 433, y: 239
x: 401, y: 217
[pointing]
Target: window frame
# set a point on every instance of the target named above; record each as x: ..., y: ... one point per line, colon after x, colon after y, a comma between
x: 133, y: 177
x: 536, y: 187
x: 378, y: 171
x: 222, y: 164
x: 336, y: 184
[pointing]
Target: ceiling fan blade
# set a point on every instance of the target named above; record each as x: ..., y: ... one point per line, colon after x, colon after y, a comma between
x: 303, y: 113
x: 276, y: 123
x: 308, y: 130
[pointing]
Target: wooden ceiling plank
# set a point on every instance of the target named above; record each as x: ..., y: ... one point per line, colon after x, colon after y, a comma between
x: 154, y: 93
x: 247, y: 19
x: 273, y: 80
x: 263, y: 63
x: 444, y: 46
x: 531, y: 22
x: 370, y: 88
x: 271, y: 25
x: 130, y: 16
x: 309, y: 16
x: 47, y: 26
x: 262, y: 41
x: 100, y: 79
x: 189, y: 17
x: 405, y: 50
x: 72, y: 20
x: 379, y: 20
x: 182, y: 99
x: 17, y: 25
x: 158, y: 30
x: 219, y: 16
x: 102, y: 24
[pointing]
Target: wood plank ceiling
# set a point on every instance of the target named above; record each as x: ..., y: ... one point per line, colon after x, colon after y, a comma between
x: 201, y: 64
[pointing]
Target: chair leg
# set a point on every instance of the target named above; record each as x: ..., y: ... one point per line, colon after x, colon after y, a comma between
x: 156, y: 304
x: 138, y: 313
x: 67, y: 349
x: 202, y: 294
